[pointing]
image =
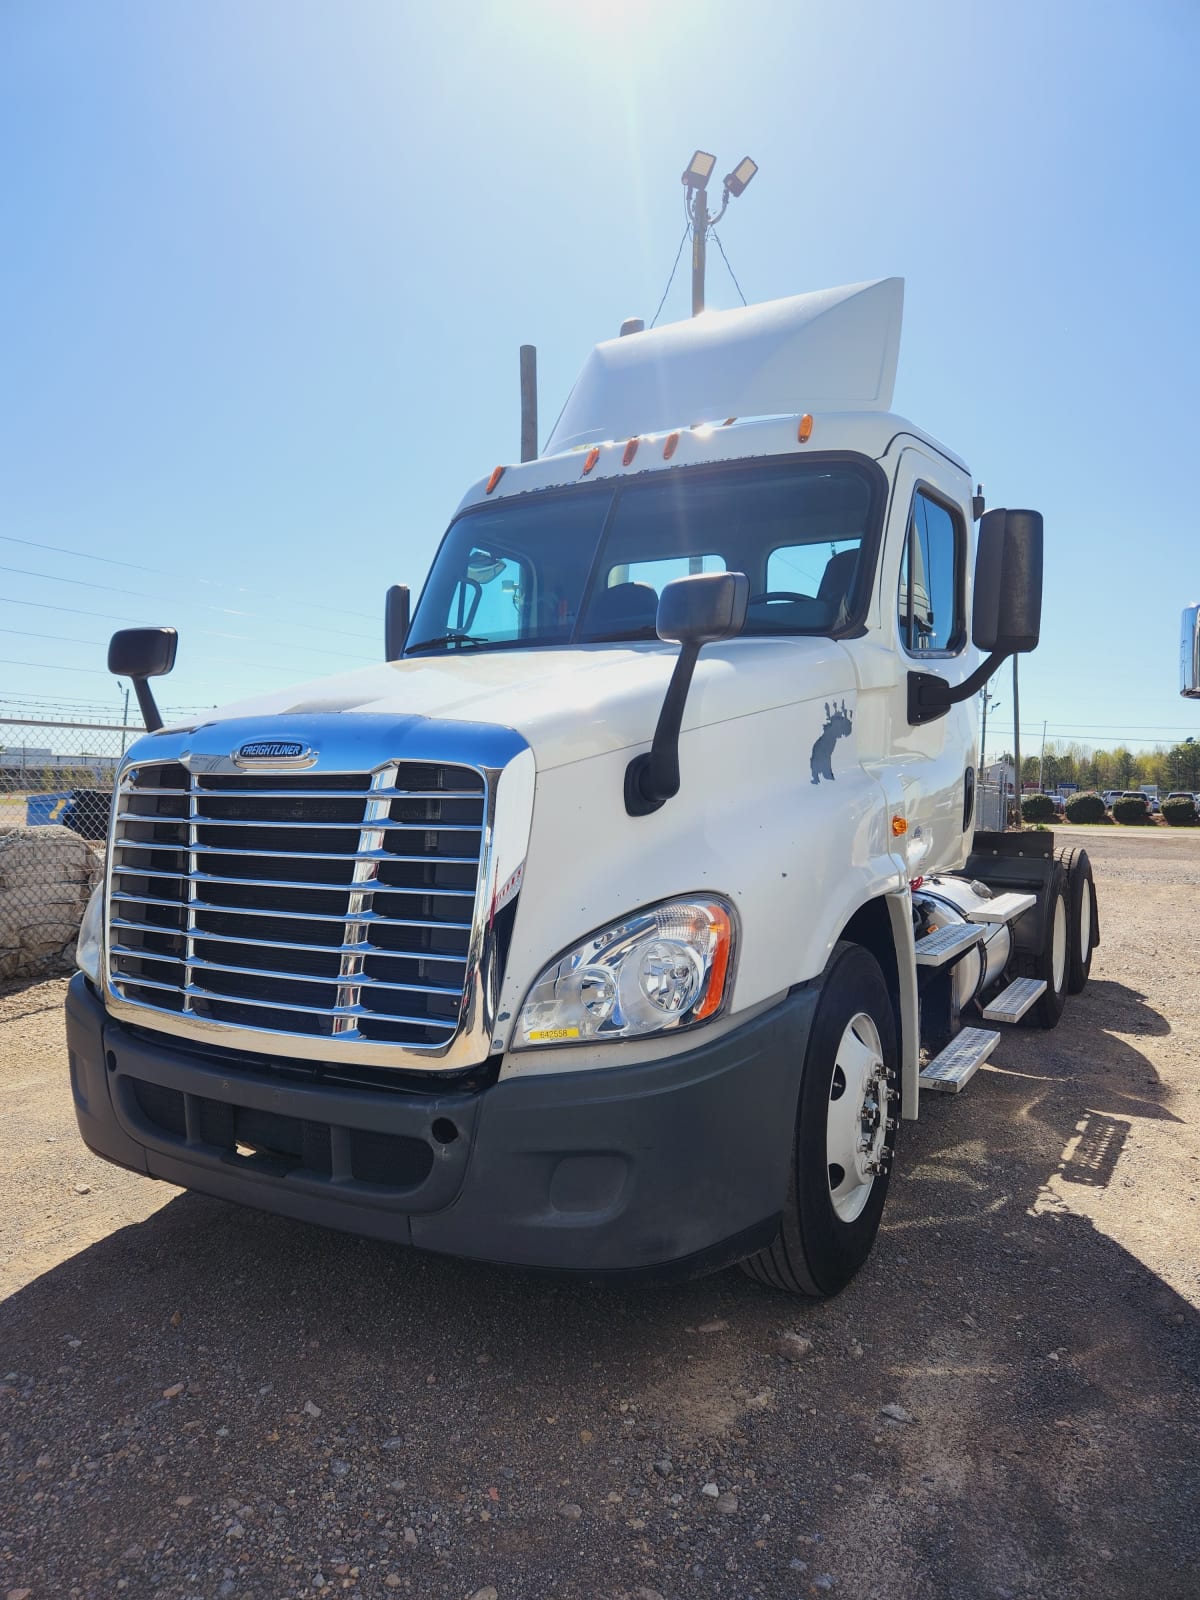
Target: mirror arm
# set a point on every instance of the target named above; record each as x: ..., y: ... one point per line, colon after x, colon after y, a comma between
x: 151, y: 715
x: 930, y: 697
x: 653, y: 777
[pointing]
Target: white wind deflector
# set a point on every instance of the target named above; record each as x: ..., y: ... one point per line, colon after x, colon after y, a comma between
x: 832, y: 350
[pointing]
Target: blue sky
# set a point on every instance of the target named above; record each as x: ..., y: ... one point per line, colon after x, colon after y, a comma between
x: 266, y: 269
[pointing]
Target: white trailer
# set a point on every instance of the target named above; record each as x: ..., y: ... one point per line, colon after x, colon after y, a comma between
x: 617, y: 920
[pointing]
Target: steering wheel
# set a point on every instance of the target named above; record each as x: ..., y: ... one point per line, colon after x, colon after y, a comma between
x: 776, y: 594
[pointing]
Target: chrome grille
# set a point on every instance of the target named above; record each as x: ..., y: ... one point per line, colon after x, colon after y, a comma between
x: 336, y: 905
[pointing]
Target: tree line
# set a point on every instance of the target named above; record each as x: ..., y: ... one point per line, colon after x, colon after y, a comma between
x: 1177, y: 767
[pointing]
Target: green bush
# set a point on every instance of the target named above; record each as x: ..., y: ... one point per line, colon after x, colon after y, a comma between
x: 1129, y: 810
x: 1038, y: 808
x: 1086, y: 808
x: 1180, y: 813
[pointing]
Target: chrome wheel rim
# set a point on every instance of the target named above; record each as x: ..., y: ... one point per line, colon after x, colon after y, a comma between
x: 1058, y: 945
x: 856, y: 1121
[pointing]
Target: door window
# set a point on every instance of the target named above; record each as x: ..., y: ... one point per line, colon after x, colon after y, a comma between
x: 931, y: 601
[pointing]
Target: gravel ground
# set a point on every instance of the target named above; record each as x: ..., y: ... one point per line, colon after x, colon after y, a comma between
x: 200, y: 1401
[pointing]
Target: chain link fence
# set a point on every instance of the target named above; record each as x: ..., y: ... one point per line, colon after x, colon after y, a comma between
x: 56, y: 783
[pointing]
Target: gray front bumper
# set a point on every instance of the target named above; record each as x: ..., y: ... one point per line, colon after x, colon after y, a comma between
x: 673, y: 1163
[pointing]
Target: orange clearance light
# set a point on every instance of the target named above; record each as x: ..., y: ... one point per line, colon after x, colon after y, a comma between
x: 899, y: 827
x: 729, y: 422
x: 671, y: 446
x: 630, y: 451
x: 804, y: 431
x: 720, y: 925
x: 590, y: 460
x: 497, y: 474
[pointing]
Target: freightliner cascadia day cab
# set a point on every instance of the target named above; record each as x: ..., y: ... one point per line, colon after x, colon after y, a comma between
x: 618, y: 919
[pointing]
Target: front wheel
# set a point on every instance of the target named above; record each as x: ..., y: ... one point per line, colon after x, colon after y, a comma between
x: 845, y: 1134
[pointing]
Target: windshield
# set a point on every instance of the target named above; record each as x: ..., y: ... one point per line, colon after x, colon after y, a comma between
x: 587, y: 564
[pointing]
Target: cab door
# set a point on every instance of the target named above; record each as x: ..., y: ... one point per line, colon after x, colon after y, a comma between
x: 926, y: 587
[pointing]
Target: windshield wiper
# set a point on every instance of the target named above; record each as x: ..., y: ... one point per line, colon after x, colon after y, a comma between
x: 444, y: 639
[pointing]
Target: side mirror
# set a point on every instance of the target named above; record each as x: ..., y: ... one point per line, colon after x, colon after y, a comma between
x: 704, y: 608
x: 692, y: 612
x: 141, y: 653
x: 1189, y: 654
x: 395, y: 622
x: 1007, y: 616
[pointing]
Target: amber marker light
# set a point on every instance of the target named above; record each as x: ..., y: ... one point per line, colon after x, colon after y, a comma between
x: 804, y: 431
x: 671, y: 446
x: 590, y: 460
x: 722, y: 927
x: 899, y: 827
x: 631, y: 450
x: 497, y: 474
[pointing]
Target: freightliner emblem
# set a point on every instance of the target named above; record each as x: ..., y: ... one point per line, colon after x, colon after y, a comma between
x: 277, y: 752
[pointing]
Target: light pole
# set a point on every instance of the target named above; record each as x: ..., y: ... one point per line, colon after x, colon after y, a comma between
x: 695, y: 176
x: 989, y: 699
x: 1042, y: 760
x: 1019, y: 786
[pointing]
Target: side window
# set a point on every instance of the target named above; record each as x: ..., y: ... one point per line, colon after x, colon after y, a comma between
x: 930, y: 601
x: 658, y: 574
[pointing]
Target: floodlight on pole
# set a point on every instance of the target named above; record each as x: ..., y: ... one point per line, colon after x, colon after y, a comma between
x: 699, y: 170
x: 739, y: 178
x: 695, y: 176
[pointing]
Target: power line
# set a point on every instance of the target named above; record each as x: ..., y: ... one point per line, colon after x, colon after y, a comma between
x: 61, y: 638
x: 210, y: 633
x: 671, y: 279
x: 136, y: 594
x: 49, y: 666
x: 161, y: 572
x: 728, y: 268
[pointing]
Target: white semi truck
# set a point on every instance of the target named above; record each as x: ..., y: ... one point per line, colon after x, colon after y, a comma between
x: 617, y: 920
x: 1189, y: 653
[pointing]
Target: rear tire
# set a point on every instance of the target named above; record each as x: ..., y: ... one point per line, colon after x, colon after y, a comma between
x: 1052, y: 960
x: 847, y: 1093
x: 1084, y: 925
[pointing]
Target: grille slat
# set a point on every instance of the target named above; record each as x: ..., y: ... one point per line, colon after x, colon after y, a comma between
x: 373, y: 885
x: 316, y: 826
x: 386, y: 856
x: 288, y: 927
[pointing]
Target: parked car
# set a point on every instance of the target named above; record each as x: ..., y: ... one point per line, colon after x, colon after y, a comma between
x: 1138, y: 794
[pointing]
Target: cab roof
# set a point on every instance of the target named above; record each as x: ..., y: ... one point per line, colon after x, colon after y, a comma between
x: 872, y: 434
x: 831, y: 350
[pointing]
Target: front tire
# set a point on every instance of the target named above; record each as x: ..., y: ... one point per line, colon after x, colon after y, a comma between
x: 845, y: 1133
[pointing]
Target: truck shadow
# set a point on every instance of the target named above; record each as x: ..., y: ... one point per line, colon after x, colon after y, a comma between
x: 337, y: 1384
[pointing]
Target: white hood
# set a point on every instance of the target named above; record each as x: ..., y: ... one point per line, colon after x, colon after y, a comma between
x: 568, y: 704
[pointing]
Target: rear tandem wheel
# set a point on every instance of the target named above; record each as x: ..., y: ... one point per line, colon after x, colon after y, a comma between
x: 1084, y: 921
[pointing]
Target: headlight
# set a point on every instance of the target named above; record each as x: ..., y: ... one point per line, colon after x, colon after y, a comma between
x: 89, y: 947
x: 666, y: 967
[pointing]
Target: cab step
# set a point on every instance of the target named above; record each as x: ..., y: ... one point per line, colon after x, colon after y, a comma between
x: 1012, y: 1003
x: 1002, y: 908
x: 946, y: 944
x: 962, y: 1058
